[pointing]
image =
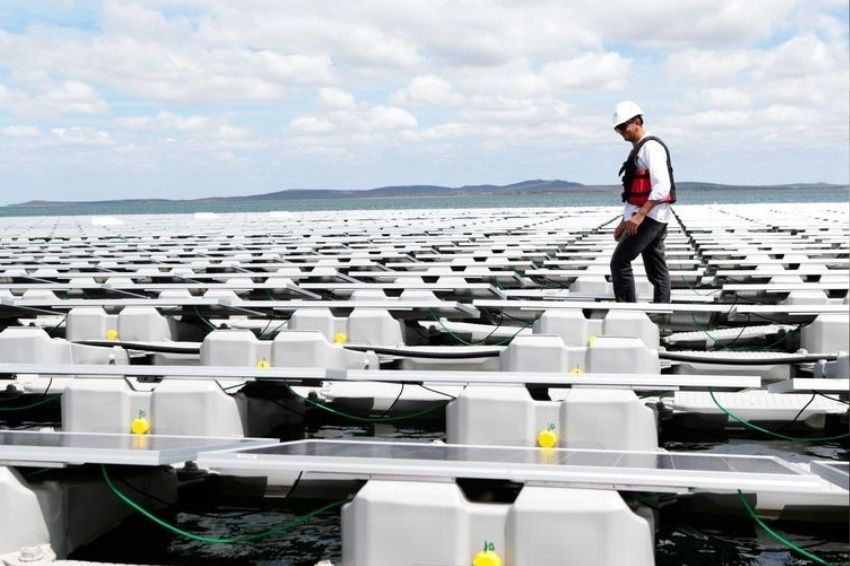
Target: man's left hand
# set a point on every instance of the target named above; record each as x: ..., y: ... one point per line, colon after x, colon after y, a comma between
x: 633, y: 223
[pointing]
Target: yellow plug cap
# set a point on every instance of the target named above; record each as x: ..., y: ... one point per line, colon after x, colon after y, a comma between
x: 263, y: 364
x: 340, y: 338
x: 547, y: 439
x: 140, y: 425
x: 112, y: 334
x: 487, y: 558
x: 576, y: 371
x: 591, y: 339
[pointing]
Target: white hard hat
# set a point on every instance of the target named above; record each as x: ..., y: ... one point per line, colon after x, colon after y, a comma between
x: 625, y: 111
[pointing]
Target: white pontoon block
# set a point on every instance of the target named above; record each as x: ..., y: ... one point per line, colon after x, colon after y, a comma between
x: 501, y: 416
x: 390, y: 523
x: 21, y: 519
x: 288, y: 349
x: 805, y: 297
x: 132, y: 323
x: 826, y: 333
x: 144, y: 323
x: 608, y: 419
x: 234, y: 348
x: 317, y: 319
x: 611, y: 419
x: 374, y: 326
x: 570, y: 324
x: 312, y: 349
x: 102, y: 405
x: 31, y: 344
x: 90, y: 323
x: 610, y: 354
x: 68, y: 514
x: 631, y: 323
x: 538, y: 352
x: 592, y: 285
x: 197, y: 408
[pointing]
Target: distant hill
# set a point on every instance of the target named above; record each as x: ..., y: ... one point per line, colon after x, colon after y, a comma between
x: 417, y: 191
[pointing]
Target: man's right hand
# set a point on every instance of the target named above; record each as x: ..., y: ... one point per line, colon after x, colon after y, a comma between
x: 619, y: 231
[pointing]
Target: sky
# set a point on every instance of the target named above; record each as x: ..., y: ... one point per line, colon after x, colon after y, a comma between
x: 189, y: 99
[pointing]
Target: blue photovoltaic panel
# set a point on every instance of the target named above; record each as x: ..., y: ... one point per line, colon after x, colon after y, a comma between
x: 837, y: 473
x: 640, y: 471
x: 40, y: 447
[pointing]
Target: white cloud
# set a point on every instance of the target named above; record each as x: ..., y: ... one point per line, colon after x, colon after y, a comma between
x: 709, y: 67
x: 49, y: 98
x: 170, y: 84
x: 21, y: 131
x: 165, y: 121
x: 429, y: 90
x: 724, y: 98
x: 343, y: 114
x: 337, y: 99
x: 588, y: 72
x: 79, y: 135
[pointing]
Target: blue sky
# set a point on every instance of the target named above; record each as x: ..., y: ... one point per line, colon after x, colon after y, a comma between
x: 186, y: 99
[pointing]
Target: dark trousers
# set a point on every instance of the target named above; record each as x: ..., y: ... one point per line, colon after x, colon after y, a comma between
x: 649, y: 243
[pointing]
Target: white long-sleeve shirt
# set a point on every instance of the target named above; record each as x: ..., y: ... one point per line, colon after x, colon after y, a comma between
x: 653, y: 157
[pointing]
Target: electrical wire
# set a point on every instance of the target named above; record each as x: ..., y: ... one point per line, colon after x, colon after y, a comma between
x: 755, y: 427
x: 58, y: 324
x: 204, y: 319
x: 216, y: 540
x: 46, y: 399
x: 797, y: 416
x: 832, y: 398
x: 384, y: 419
x: 395, y: 401
x: 437, y: 391
x: 798, y: 359
x: 424, y: 354
x: 502, y: 342
x: 776, y: 536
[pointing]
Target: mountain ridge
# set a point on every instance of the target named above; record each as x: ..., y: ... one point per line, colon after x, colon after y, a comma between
x: 418, y: 191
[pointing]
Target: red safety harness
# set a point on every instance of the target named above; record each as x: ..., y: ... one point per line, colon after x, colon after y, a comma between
x: 636, y: 183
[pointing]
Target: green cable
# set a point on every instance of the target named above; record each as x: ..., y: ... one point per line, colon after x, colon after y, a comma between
x: 750, y: 425
x: 273, y: 330
x: 215, y: 540
x: 720, y: 345
x: 779, y: 538
x: 462, y: 341
x: 357, y: 418
x: 204, y: 320
x: 42, y: 402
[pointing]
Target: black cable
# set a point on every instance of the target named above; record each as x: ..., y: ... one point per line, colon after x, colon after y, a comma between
x: 832, y: 398
x: 393, y: 404
x: 424, y: 354
x: 797, y: 416
x: 426, y: 388
x: 146, y: 347
x: 43, y: 394
x: 676, y: 357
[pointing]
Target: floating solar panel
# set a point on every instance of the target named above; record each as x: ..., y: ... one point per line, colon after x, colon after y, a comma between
x: 41, y: 448
x: 837, y: 473
x: 666, y: 308
x: 551, y: 379
x: 600, y: 469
